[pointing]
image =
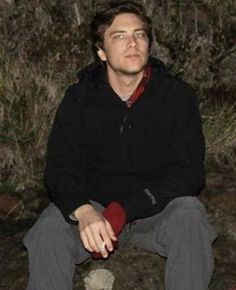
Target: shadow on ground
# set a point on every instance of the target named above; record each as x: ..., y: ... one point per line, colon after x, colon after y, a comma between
x: 133, y: 269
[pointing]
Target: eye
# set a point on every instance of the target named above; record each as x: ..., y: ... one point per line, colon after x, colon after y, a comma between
x: 141, y: 34
x: 119, y: 36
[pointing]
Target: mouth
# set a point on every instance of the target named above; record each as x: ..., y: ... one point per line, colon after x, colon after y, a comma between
x: 132, y: 56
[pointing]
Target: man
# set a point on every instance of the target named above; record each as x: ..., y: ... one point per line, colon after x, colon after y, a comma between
x: 125, y: 163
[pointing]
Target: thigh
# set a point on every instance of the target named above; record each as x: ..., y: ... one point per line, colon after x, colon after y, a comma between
x: 50, y: 219
x: 184, y: 217
x: 52, y: 231
x: 152, y: 233
x: 143, y: 233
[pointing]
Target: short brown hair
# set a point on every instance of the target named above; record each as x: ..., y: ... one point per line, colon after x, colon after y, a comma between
x: 104, y: 19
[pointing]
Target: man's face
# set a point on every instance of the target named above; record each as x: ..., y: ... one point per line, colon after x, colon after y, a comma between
x: 125, y: 47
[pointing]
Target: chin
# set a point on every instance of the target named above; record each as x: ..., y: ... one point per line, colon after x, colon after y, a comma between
x: 132, y: 73
x: 135, y: 67
x: 134, y: 70
x: 128, y: 68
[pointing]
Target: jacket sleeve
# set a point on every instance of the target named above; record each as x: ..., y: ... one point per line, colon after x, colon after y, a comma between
x: 66, y: 155
x: 183, y: 174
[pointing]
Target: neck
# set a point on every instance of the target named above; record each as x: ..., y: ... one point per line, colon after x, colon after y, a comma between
x: 124, y: 84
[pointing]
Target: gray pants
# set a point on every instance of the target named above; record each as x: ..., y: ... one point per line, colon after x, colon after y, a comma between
x: 180, y: 232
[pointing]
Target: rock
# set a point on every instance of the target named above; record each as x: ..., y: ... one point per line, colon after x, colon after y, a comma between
x: 100, y: 279
x: 10, y: 205
x: 215, y: 180
x: 133, y: 269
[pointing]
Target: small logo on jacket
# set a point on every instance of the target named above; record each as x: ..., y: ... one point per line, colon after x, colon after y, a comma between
x: 150, y: 195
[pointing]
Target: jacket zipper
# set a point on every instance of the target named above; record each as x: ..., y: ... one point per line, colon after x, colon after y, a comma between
x: 123, y: 140
x: 123, y: 124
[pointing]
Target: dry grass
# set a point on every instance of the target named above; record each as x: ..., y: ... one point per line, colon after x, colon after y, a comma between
x: 39, y: 57
x: 197, y: 40
x: 220, y: 130
x: 43, y: 43
x: 28, y: 104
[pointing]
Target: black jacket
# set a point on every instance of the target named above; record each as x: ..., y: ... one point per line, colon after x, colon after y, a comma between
x: 142, y: 157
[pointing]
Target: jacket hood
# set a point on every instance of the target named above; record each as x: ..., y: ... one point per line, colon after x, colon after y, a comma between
x: 97, y: 69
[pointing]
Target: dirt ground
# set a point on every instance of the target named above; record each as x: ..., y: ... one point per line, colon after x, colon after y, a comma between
x: 132, y: 268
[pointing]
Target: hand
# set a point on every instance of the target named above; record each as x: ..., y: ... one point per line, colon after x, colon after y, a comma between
x: 94, y: 230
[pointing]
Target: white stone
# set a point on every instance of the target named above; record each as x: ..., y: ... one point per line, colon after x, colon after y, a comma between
x: 99, y: 279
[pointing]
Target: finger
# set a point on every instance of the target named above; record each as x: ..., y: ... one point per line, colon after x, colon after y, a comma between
x: 106, y: 238
x: 92, y: 239
x: 101, y: 243
x: 103, y: 250
x: 85, y: 242
x: 110, y: 231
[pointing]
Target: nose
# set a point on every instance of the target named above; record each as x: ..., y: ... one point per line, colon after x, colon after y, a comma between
x: 132, y: 41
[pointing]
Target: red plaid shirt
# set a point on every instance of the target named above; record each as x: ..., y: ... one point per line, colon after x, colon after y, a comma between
x: 140, y: 88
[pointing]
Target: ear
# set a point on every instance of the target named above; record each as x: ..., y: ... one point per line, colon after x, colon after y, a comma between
x: 101, y: 54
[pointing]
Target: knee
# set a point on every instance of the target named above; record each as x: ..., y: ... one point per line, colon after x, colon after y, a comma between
x: 190, y: 217
x: 191, y: 224
x: 47, y: 230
